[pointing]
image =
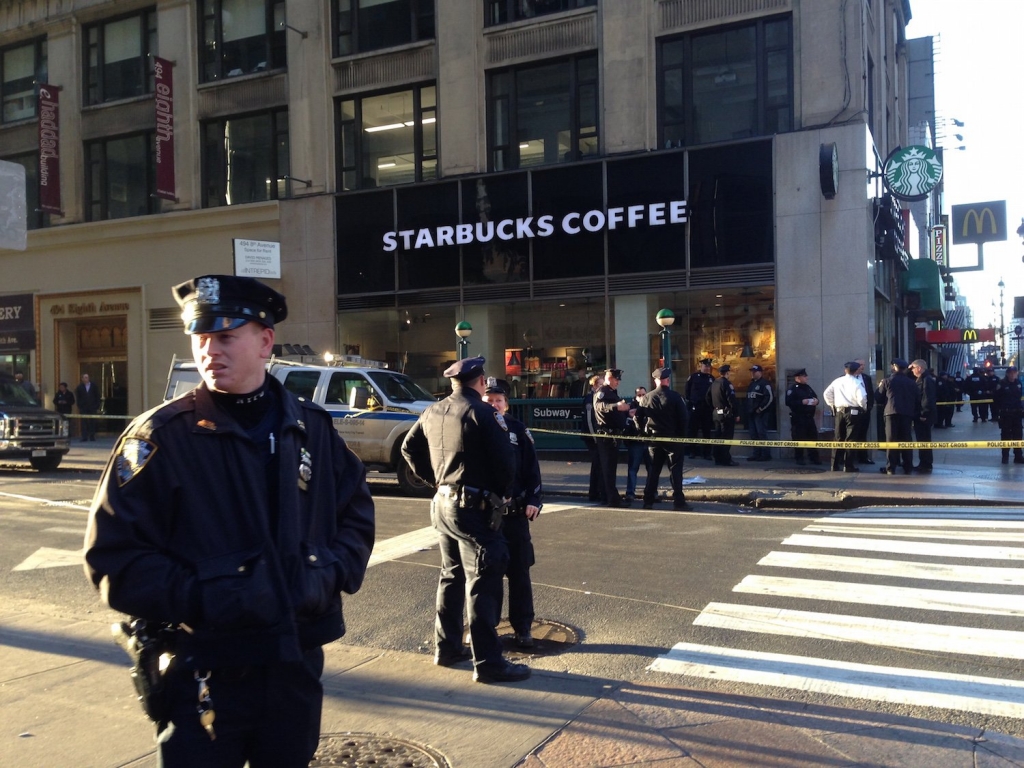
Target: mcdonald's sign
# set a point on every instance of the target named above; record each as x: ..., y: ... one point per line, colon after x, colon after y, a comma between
x: 979, y: 222
x: 958, y: 335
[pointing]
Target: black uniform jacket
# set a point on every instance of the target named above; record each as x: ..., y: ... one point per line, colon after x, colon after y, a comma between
x: 1007, y: 396
x: 180, y: 532
x: 609, y: 418
x: 697, y: 387
x: 527, y: 484
x: 722, y: 397
x: 927, y: 397
x: 663, y: 413
x: 898, y: 394
x: 795, y: 396
x: 462, y: 440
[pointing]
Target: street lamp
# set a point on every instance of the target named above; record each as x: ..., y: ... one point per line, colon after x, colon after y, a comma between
x: 665, y: 318
x: 1002, y: 326
x: 463, y: 330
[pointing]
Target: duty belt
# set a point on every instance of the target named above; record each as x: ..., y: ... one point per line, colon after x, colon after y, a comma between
x: 466, y: 496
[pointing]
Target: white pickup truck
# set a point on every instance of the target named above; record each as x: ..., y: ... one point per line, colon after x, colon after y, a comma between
x: 373, y: 407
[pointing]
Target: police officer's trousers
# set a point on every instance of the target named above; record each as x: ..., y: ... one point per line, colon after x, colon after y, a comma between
x: 897, y: 430
x: 473, y: 563
x: 673, y: 454
x: 923, y: 434
x: 1010, y: 429
x: 725, y: 429
x: 267, y: 715
x: 700, y: 425
x: 520, y: 559
x: 608, y: 455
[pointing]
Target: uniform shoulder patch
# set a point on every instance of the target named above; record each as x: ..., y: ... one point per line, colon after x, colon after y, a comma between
x: 134, y: 454
x: 600, y: 394
x: 501, y: 421
x: 529, y: 436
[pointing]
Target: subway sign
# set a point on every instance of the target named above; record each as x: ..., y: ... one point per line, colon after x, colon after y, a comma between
x: 979, y: 222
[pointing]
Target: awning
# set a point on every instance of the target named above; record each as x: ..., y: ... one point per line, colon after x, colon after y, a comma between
x: 921, y: 284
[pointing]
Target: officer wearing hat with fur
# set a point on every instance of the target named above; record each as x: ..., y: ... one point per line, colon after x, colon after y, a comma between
x: 461, y: 446
x: 525, y: 507
x: 236, y: 516
x: 662, y: 413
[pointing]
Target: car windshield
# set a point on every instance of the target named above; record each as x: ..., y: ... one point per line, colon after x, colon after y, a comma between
x: 11, y: 393
x: 399, y: 388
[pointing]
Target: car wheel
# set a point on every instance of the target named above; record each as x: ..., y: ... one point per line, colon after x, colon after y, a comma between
x: 46, y: 463
x: 410, y: 484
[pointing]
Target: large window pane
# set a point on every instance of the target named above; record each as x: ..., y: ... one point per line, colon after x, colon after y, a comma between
x: 724, y: 83
x: 730, y: 201
x: 542, y: 105
x: 486, y: 202
x: 389, y: 145
x: 122, y: 53
x: 244, y: 157
x: 502, y: 11
x: 19, y: 85
x: 121, y: 173
x: 244, y: 29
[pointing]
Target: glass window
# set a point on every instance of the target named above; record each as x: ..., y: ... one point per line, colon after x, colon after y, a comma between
x: 302, y: 383
x: 730, y: 201
x: 726, y: 84
x: 502, y: 11
x: 363, y: 264
x: 368, y: 25
x: 245, y: 159
x: 543, y: 114
x: 387, y: 139
x: 419, y: 211
x: 30, y: 162
x: 119, y: 58
x: 339, y: 390
x: 558, y: 192
x: 22, y: 68
x: 240, y: 37
x: 486, y: 202
x: 120, y: 177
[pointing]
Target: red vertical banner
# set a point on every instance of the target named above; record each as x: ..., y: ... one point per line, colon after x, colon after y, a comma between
x: 49, y: 149
x: 164, y: 101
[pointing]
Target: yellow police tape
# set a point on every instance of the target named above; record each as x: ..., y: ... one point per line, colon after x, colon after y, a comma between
x: 829, y: 444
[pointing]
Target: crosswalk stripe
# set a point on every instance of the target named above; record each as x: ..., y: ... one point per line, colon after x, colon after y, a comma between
x: 877, y: 594
x: 921, y: 533
x: 967, y: 551
x: 869, y: 566
x: 949, y: 515
x: 985, y: 695
x: 943, y: 638
x: 989, y: 522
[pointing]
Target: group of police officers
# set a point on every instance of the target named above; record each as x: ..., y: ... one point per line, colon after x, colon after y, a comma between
x: 230, y: 520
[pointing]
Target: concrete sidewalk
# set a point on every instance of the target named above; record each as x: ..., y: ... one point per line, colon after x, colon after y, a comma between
x: 68, y: 701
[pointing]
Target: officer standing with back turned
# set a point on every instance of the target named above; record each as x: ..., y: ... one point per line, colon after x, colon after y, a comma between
x: 461, y: 446
x: 236, y: 516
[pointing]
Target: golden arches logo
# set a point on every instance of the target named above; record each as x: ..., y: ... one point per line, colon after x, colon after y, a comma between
x: 979, y: 220
x: 970, y: 334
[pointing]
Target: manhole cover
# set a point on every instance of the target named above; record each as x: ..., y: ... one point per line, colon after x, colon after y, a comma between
x: 357, y: 750
x: 796, y: 484
x: 550, y: 638
x: 799, y: 471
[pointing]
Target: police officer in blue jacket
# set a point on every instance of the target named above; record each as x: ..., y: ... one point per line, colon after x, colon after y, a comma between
x: 525, y: 507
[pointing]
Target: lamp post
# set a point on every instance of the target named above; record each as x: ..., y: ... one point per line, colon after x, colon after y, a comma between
x: 665, y: 318
x: 1002, y: 326
x: 463, y: 330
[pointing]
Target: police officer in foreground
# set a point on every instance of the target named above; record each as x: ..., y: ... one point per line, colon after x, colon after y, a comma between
x: 662, y: 413
x: 945, y: 391
x: 899, y: 395
x: 236, y: 516
x: 725, y: 412
x: 611, y: 413
x: 523, y: 509
x: 925, y: 413
x: 802, y: 402
x: 978, y: 389
x: 1008, y: 396
x: 461, y: 446
x: 701, y: 423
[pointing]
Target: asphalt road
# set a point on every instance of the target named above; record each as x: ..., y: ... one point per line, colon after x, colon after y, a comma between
x: 871, y: 609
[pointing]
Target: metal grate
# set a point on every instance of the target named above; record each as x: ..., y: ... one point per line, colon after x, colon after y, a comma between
x: 165, y: 319
x: 754, y: 274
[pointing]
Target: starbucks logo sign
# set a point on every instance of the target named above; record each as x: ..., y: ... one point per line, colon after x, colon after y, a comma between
x: 911, y: 173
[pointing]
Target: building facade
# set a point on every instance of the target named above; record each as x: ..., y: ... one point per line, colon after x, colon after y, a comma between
x: 554, y: 172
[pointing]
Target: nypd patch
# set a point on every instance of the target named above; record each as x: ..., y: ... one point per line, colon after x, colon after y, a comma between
x: 135, y: 453
x: 501, y: 421
x: 530, y: 436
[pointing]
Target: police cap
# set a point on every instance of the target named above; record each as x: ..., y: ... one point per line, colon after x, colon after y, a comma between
x: 705, y: 361
x: 497, y: 387
x: 853, y: 366
x: 615, y: 373
x: 900, y: 363
x: 756, y: 368
x: 213, y: 303
x: 725, y: 369
x: 801, y: 372
x: 659, y: 374
x: 1011, y: 368
x: 465, y: 370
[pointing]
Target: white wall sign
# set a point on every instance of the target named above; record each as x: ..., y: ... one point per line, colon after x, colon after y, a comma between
x: 257, y: 258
